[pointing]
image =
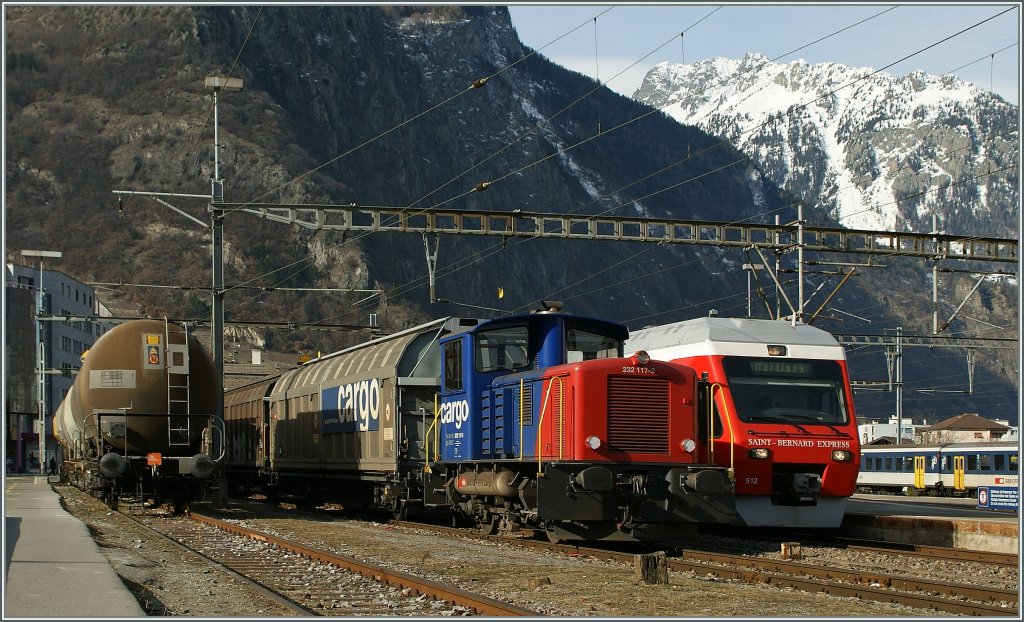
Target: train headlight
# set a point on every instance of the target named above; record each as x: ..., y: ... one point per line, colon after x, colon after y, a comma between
x: 842, y: 455
x: 760, y: 453
x: 593, y: 442
x: 642, y: 357
x: 688, y: 445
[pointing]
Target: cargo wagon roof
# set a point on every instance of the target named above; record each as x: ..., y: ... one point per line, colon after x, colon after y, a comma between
x: 385, y: 357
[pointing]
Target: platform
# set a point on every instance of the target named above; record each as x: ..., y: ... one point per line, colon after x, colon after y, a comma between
x: 52, y: 566
x: 932, y: 521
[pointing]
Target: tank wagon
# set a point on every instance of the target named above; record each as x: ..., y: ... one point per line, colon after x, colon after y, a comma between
x: 141, y: 416
x: 533, y: 422
x: 781, y: 409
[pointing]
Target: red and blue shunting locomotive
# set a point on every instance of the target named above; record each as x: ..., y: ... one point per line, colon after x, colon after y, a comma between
x: 532, y: 422
x: 782, y: 416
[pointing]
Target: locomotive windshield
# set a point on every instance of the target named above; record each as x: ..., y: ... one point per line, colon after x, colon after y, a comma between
x: 583, y: 345
x: 768, y: 390
x: 502, y: 348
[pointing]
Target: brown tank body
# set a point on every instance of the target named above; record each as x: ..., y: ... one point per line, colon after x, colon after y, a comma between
x: 145, y: 370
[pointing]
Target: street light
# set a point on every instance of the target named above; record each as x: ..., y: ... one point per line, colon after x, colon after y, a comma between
x: 41, y: 353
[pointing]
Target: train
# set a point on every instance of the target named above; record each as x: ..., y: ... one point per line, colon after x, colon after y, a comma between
x: 140, y: 418
x: 528, y: 424
x: 947, y: 469
x: 781, y: 414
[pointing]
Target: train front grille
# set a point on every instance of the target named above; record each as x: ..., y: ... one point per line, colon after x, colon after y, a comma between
x: 638, y: 414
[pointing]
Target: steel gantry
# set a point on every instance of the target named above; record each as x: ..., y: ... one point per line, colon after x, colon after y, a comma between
x: 778, y: 237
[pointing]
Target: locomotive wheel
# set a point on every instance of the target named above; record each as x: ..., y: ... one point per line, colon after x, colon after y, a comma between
x: 552, y: 538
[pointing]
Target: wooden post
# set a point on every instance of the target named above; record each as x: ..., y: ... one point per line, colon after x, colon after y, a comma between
x: 791, y: 550
x: 650, y: 568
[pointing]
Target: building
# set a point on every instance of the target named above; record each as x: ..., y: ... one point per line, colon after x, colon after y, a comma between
x: 61, y: 344
x: 964, y: 428
x: 873, y: 430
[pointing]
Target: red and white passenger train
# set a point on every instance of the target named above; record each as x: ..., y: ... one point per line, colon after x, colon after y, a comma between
x: 782, y: 416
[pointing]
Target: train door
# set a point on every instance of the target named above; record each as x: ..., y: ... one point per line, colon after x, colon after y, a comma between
x: 919, y: 464
x: 262, y: 459
x: 958, y: 473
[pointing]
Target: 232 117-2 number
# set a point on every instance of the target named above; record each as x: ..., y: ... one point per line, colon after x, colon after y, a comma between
x: 638, y: 370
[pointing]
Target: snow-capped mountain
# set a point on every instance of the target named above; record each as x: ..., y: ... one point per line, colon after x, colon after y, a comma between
x: 872, y: 150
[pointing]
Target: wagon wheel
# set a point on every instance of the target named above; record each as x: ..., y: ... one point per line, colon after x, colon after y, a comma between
x: 489, y: 526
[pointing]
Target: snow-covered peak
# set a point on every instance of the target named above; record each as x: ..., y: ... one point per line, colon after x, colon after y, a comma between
x: 873, y: 150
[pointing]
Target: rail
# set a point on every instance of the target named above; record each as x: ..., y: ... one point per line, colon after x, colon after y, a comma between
x: 484, y: 605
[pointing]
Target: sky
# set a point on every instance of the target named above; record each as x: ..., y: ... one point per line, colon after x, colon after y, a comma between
x: 605, y: 40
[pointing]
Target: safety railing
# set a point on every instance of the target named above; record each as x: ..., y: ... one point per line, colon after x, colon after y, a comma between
x: 728, y: 419
x: 428, y: 457
x: 561, y: 421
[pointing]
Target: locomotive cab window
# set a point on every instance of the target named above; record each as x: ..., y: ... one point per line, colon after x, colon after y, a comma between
x: 502, y: 349
x: 582, y: 345
x: 787, y: 390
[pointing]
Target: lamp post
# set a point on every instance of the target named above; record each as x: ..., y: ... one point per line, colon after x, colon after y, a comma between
x: 218, y: 84
x: 41, y: 353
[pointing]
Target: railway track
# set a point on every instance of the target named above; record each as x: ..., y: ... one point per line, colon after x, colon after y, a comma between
x: 315, y: 582
x: 961, y: 599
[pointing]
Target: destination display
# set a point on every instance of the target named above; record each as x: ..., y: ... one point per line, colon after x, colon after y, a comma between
x: 780, y: 368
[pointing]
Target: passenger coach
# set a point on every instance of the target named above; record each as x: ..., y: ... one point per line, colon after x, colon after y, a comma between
x: 943, y: 470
